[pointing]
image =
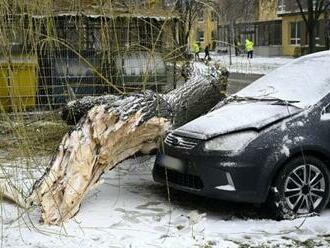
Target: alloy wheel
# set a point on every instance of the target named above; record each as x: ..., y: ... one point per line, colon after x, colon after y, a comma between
x: 304, y: 189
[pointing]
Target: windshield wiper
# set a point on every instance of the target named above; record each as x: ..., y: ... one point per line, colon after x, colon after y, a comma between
x: 284, y: 102
x: 274, y: 100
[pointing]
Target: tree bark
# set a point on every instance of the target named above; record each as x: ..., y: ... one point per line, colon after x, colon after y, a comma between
x: 75, y: 110
x: 115, y: 129
x: 190, y: 97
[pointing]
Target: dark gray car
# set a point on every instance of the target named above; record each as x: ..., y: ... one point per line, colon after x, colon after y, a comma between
x: 269, y: 142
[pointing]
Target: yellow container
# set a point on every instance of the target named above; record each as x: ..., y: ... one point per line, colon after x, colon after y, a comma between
x: 18, y: 84
x: 4, y: 90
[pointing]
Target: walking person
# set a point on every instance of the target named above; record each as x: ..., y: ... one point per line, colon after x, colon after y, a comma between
x: 196, y: 49
x: 207, y: 52
x: 249, y: 47
x: 237, y: 47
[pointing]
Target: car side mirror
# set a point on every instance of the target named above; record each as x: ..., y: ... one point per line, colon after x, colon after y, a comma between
x: 325, y: 113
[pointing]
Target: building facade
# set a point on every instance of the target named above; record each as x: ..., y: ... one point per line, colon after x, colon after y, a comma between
x: 261, y: 25
x: 204, y: 28
x: 294, y: 34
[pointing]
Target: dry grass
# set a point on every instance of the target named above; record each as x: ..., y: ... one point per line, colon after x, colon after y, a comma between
x: 23, y: 138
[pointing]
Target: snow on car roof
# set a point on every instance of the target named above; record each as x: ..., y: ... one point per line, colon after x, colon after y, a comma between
x: 306, y: 80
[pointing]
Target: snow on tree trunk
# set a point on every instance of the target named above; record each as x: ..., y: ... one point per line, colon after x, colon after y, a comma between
x: 187, y: 102
x: 197, y: 96
x: 115, y: 130
x: 76, y: 109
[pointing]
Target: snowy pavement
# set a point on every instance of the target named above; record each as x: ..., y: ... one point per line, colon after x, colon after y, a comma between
x: 257, y: 65
x: 129, y: 210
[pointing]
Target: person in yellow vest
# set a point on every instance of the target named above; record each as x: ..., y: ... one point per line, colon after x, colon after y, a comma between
x: 196, y: 49
x: 249, y: 47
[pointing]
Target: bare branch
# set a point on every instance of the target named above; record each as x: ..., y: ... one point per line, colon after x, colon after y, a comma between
x: 302, y: 12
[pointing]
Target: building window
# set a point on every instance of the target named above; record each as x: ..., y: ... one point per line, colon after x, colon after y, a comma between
x: 269, y: 33
x: 200, y: 36
x: 295, y: 38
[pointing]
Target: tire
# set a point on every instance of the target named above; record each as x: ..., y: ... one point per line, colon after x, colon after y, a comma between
x: 301, y: 188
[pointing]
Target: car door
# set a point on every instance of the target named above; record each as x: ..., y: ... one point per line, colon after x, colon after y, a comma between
x: 324, y: 124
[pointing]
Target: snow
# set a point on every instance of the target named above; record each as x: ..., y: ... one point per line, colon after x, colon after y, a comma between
x: 228, y: 164
x: 22, y: 173
x: 130, y: 210
x: 257, y: 65
x: 140, y: 63
x: 285, y: 150
x: 305, y: 80
x: 283, y: 126
x: 234, y: 117
x: 300, y: 124
x: 95, y: 16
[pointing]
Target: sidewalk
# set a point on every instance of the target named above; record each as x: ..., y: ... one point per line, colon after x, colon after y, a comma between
x: 257, y: 65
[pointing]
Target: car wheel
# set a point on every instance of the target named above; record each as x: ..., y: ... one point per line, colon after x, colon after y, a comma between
x: 301, y: 188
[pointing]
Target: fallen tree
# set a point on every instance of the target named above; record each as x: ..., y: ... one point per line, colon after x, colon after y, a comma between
x: 113, y: 128
x: 202, y: 90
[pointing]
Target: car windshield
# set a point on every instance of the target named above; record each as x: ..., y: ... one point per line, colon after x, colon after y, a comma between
x: 302, y: 83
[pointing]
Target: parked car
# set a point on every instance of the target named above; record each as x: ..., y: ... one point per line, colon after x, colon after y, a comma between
x: 270, y: 142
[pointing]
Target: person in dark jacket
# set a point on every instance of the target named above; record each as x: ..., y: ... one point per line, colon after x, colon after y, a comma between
x: 237, y: 47
x: 207, y: 52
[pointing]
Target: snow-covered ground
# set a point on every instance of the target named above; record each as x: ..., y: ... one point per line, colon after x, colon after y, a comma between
x: 257, y: 65
x: 129, y: 210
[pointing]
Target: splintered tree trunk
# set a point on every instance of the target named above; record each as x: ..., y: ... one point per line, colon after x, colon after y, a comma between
x: 102, y: 139
x: 113, y: 131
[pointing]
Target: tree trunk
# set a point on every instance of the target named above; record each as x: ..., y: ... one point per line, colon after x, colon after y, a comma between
x: 114, y: 131
x: 189, y: 95
x: 327, y: 30
x: 311, y: 38
x: 75, y: 110
x: 311, y: 25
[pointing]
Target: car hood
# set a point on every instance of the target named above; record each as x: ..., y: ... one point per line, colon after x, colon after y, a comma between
x: 235, y: 117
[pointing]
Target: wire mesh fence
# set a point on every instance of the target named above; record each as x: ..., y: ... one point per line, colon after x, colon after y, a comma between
x: 52, y: 52
x: 47, y: 59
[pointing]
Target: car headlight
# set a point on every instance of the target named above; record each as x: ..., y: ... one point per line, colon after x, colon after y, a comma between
x: 233, y: 143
